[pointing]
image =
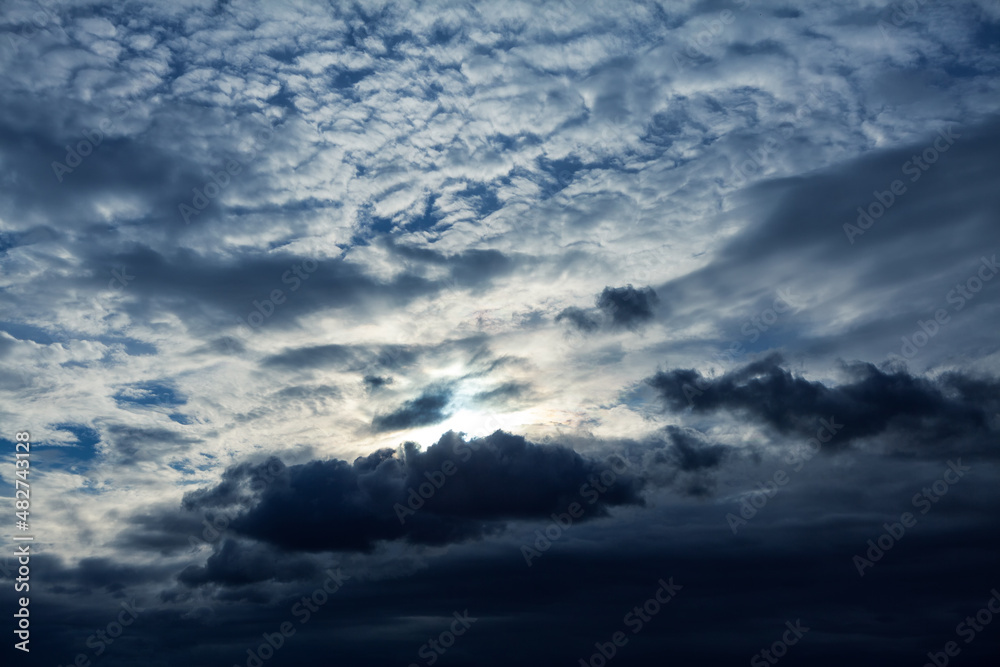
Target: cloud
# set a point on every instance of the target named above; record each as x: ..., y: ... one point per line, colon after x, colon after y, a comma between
x: 616, y: 308
x: 427, y: 409
x: 579, y: 318
x: 929, y: 416
x: 514, y: 211
x: 475, y: 487
x: 626, y: 306
x: 376, y: 382
x: 235, y: 564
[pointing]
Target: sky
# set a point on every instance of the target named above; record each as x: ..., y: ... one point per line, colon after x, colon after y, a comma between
x: 562, y: 333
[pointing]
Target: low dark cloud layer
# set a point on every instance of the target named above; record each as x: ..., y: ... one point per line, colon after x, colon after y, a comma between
x: 455, y: 490
x: 932, y: 416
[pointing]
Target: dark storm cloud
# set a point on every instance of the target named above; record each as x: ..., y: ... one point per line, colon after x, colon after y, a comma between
x: 93, y: 574
x: 794, y: 561
x: 691, y: 452
x: 616, y: 308
x: 166, y: 531
x: 476, y: 486
x: 235, y: 564
x: 683, y: 460
x: 950, y: 413
x: 627, y: 306
x: 428, y: 408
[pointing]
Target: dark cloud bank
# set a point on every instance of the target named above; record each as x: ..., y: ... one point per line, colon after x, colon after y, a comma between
x: 616, y: 308
x: 455, y: 490
x: 945, y: 415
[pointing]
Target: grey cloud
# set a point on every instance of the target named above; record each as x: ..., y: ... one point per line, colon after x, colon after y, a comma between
x: 907, y: 413
x: 354, y: 506
x: 616, y: 308
x: 426, y: 409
